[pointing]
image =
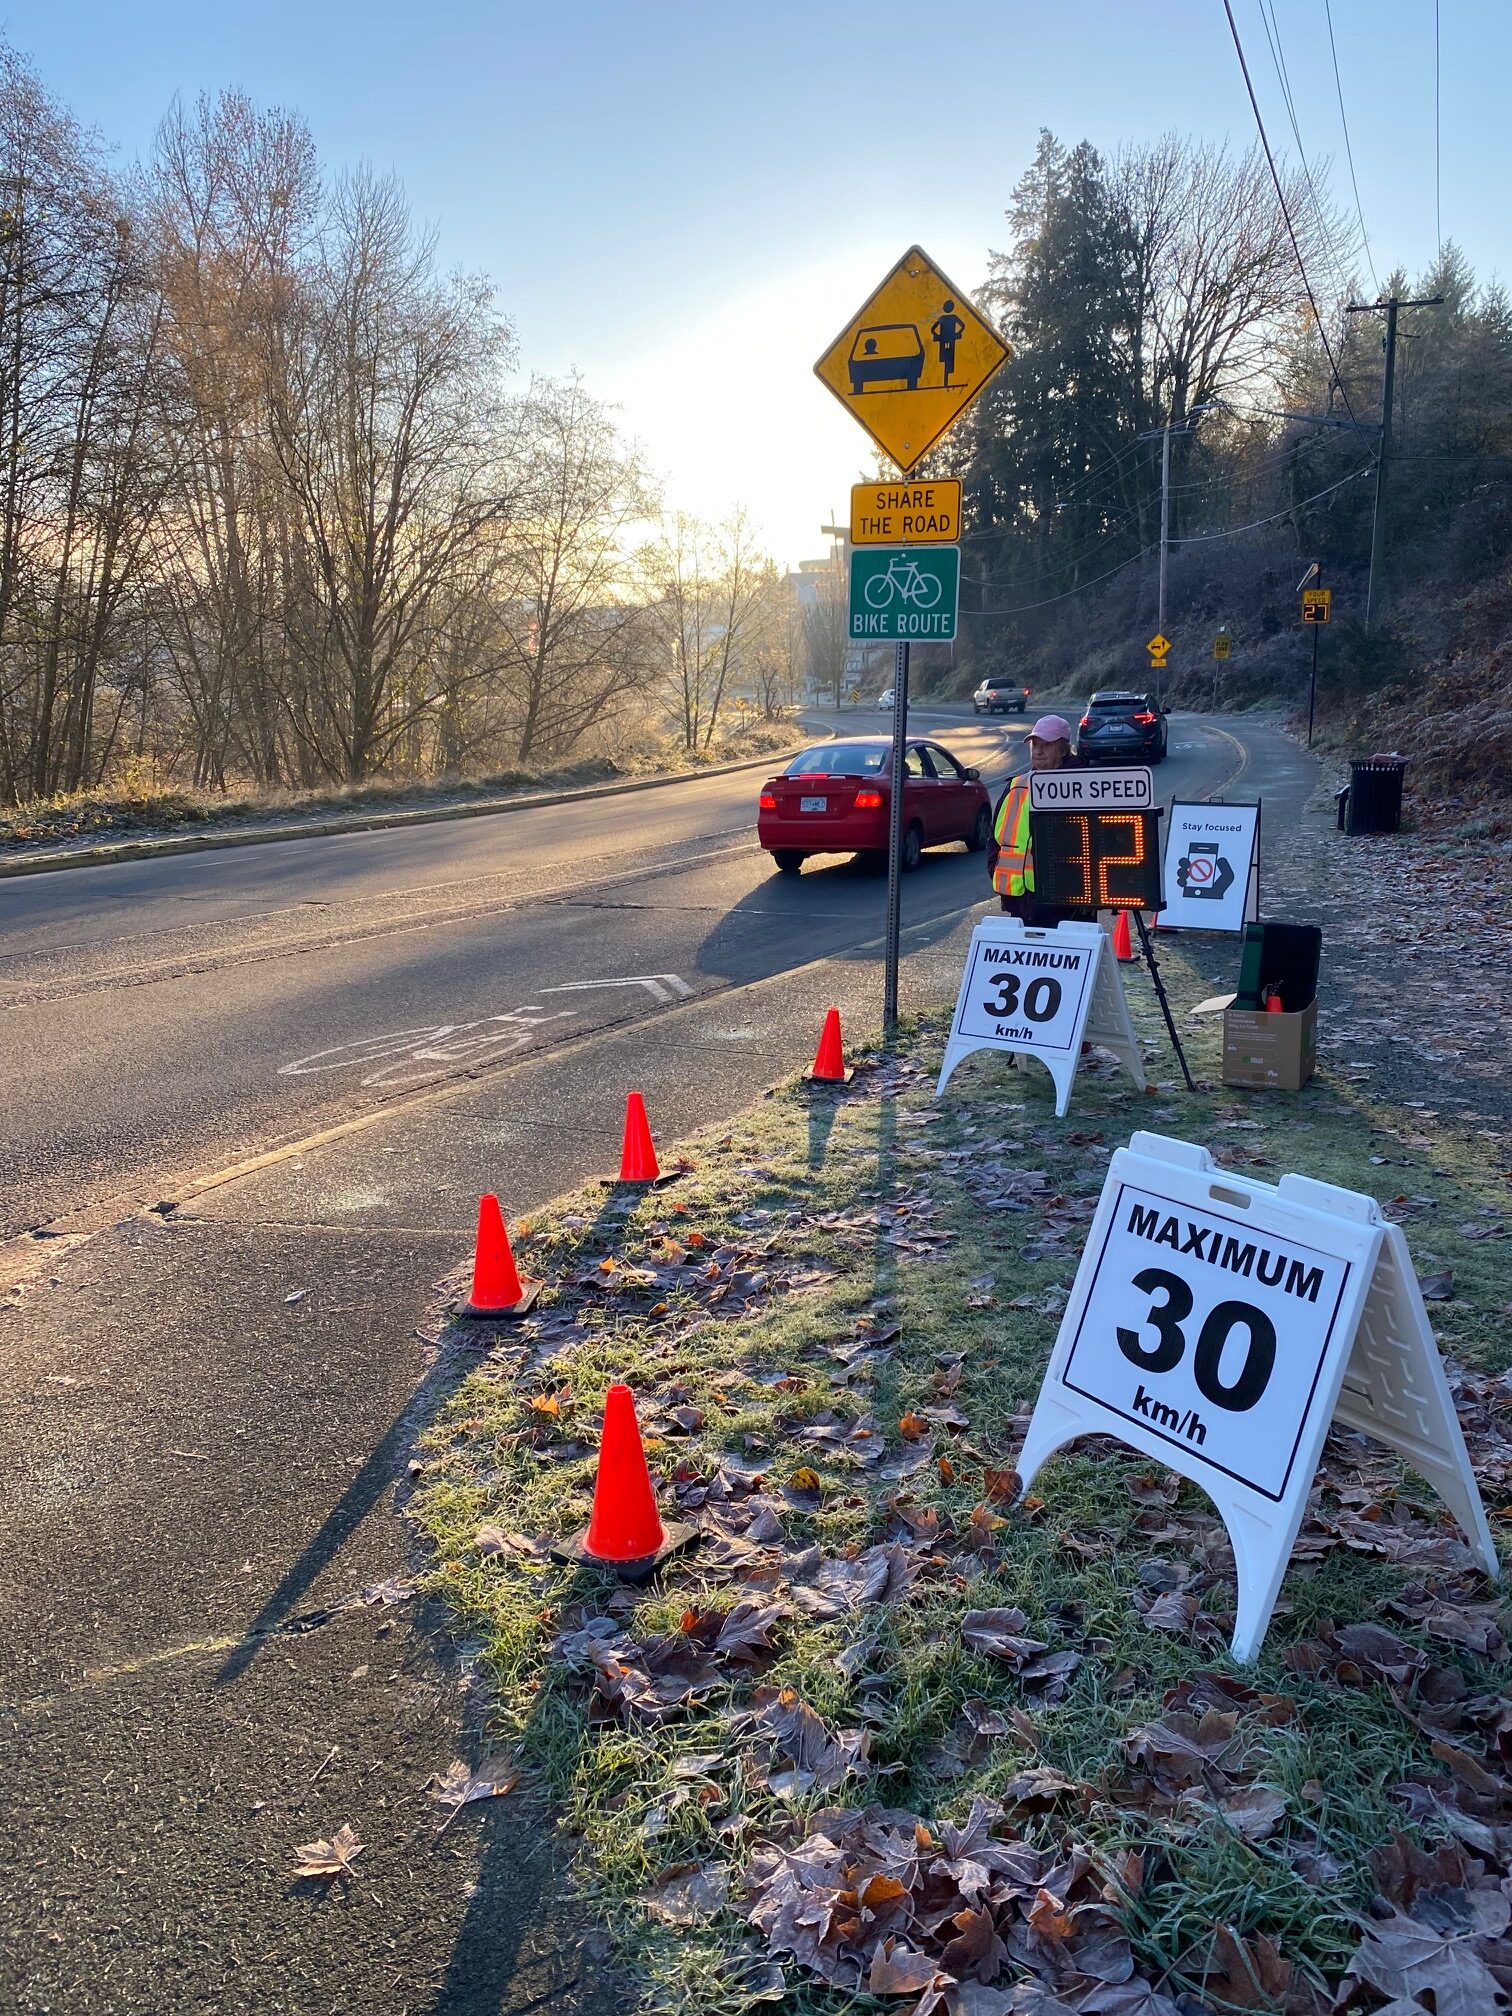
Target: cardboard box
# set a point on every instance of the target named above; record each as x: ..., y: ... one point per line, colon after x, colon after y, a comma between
x: 1270, y: 1052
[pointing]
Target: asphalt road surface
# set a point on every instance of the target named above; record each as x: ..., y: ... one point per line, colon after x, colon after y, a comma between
x: 168, y: 1016
x: 206, y: 1415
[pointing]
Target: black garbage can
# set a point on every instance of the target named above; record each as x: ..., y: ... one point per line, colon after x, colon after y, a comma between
x: 1374, y: 804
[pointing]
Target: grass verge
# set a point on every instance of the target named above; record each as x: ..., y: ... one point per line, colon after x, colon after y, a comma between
x: 835, y: 1322
x: 121, y: 811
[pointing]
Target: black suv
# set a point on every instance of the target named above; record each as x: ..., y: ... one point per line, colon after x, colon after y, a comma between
x: 998, y: 694
x: 1123, y: 728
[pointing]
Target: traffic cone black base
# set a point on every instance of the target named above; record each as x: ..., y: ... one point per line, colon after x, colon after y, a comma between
x: 829, y: 1066
x: 469, y: 1312
x: 498, y: 1293
x: 678, y: 1539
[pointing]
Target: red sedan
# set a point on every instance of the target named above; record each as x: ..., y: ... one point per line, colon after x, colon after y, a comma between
x: 834, y: 799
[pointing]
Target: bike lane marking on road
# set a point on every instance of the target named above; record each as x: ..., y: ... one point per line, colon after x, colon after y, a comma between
x: 404, y: 1056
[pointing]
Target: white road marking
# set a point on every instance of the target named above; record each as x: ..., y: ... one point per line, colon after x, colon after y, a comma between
x: 404, y: 1056
x: 413, y: 1053
x: 662, y: 987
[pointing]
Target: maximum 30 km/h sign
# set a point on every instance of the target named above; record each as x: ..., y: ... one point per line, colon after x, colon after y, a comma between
x: 904, y: 594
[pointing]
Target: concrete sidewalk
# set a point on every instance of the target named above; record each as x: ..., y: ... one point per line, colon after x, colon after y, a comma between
x: 212, y: 1656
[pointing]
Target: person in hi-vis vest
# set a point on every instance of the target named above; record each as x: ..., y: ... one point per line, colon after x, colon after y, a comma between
x: 1010, y: 855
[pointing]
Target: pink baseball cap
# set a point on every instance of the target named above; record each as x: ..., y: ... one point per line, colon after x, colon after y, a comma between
x: 1051, y: 728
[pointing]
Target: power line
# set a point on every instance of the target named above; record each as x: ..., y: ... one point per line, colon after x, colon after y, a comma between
x: 1272, y: 29
x: 1199, y: 538
x: 1348, y: 150
x: 1022, y: 608
x: 1270, y: 161
x: 1438, y: 210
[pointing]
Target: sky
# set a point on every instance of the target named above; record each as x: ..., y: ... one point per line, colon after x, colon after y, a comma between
x: 686, y: 202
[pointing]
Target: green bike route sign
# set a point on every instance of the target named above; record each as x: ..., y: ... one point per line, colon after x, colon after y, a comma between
x: 904, y: 594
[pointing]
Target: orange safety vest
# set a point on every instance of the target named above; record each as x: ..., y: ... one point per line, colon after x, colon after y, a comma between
x: 1014, y: 873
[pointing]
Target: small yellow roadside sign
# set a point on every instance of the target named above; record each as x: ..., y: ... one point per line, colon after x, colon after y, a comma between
x: 1157, y: 647
x: 912, y: 360
x: 1222, y: 644
x: 1316, y: 604
x: 906, y: 514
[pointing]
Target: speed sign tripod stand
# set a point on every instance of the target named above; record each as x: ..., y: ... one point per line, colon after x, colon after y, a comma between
x: 1160, y: 994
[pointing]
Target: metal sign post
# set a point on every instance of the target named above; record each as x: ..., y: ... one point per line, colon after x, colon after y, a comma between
x: 1317, y: 606
x: 895, y: 845
x: 906, y: 367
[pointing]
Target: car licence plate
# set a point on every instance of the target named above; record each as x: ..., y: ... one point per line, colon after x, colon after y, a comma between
x: 813, y: 804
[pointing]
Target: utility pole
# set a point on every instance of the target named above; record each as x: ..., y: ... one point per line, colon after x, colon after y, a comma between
x: 1165, y: 524
x: 1375, y: 594
x: 1186, y: 426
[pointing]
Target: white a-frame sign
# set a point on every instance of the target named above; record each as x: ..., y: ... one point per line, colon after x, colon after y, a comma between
x: 1041, y: 994
x: 1220, y: 1325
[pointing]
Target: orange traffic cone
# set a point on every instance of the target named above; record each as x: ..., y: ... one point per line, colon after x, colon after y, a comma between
x: 1122, y: 946
x: 498, y: 1294
x: 829, y: 1067
x: 626, y: 1531
x: 638, y: 1163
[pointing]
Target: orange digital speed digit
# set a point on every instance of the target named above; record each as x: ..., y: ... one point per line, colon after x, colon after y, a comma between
x: 1082, y: 860
x: 1107, y: 898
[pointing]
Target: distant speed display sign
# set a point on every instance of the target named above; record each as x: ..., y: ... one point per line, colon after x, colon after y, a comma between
x: 1317, y: 604
x: 1106, y: 860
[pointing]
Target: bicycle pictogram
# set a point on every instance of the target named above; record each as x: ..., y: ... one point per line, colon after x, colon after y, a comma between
x: 904, y: 580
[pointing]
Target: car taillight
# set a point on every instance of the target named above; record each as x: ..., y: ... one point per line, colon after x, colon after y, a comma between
x: 766, y: 802
x: 1085, y: 721
x: 868, y: 801
x: 1145, y: 720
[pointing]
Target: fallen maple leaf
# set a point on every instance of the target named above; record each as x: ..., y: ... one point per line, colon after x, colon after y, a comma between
x: 685, y: 1895
x: 328, y: 1858
x: 913, y: 1426
x: 1247, y: 1975
x: 899, y: 1970
x: 458, y: 1785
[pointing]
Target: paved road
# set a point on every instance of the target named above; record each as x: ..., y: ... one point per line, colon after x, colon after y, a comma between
x: 205, y: 1417
x: 168, y: 1015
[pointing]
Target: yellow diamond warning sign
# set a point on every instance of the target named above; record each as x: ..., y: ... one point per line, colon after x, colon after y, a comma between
x: 911, y: 362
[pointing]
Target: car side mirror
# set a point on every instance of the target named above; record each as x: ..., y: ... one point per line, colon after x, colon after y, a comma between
x: 973, y: 776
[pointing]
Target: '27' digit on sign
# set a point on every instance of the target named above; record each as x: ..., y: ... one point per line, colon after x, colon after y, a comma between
x: 1166, y: 1319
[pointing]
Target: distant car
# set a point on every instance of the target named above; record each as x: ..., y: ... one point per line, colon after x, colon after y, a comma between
x: 889, y: 698
x: 1123, y: 727
x: 836, y: 799
x: 889, y: 352
x: 1000, y: 695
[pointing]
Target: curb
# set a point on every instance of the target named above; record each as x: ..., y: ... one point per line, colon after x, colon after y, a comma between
x: 111, y: 851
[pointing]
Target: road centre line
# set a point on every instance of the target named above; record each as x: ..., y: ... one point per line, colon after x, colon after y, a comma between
x: 190, y: 964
